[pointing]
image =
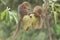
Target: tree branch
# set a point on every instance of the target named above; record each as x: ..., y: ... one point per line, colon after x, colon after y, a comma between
x: 47, y: 19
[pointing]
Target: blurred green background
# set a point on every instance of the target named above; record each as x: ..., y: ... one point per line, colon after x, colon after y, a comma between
x: 9, y: 20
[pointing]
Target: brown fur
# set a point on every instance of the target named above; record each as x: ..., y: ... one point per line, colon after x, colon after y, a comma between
x: 23, y: 10
x: 38, y: 13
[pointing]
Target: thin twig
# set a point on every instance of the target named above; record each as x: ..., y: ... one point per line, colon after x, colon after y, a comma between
x: 47, y: 20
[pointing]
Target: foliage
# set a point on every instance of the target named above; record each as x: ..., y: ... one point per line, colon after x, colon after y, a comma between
x: 9, y: 21
x: 55, y: 10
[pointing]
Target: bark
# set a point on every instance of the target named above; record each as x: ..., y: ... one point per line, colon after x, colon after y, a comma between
x: 47, y: 19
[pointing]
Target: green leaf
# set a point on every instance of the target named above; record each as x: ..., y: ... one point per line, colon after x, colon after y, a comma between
x: 58, y: 29
x: 7, y: 17
x: 13, y: 15
x: 55, y: 17
x: 3, y: 14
